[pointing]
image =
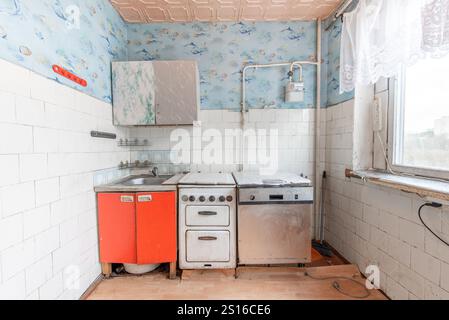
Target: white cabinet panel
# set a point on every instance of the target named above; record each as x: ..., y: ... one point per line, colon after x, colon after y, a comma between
x: 207, y: 216
x: 208, y: 246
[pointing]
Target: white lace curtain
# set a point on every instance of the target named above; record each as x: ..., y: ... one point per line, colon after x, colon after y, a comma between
x: 381, y: 36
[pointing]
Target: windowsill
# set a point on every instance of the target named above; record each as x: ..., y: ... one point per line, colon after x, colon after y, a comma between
x: 421, y: 186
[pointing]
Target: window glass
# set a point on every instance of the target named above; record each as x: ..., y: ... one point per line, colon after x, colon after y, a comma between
x: 423, y: 125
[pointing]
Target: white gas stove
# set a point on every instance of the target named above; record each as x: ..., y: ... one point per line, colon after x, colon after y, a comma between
x: 207, y: 221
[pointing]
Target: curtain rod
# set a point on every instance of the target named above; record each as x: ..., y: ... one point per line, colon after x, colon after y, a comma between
x: 339, y: 12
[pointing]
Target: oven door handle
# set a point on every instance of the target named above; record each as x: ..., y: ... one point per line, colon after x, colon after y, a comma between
x: 207, y: 238
x: 207, y: 213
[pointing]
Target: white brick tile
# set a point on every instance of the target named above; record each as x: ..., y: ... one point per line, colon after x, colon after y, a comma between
x: 362, y: 229
x: 371, y: 215
x: 69, y: 230
x: 15, y: 259
x: 8, y: 105
x: 30, y: 111
x: 34, y: 296
x: 36, y: 221
x: 66, y: 256
x: 445, y: 276
x: 52, y: 289
x: 11, y: 231
x: 389, y: 265
x: 33, y: 167
x: 43, y: 89
x: 75, y: 184
x: 395, y: 291
x: 426, y: 265
x: 231, y: 116
x: 14, y: 288
x: 14, y: 79
x: 47, y: 191
x: 65, y: 209
x: 15, y: 138
x: 38, y: 273
x: 411, y: 233
x: 379, y: 238
x: 399, y: 250
x: 47, y: 242
x: 399, y: 205
x: 9, y: 170
x: 434, y: 292
x: 46, y: 140
x: 389, y: 223
x: 412, y: 281
x: 16, y: 198
x: 435, y: 247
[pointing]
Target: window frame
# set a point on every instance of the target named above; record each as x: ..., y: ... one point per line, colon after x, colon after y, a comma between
x: 396, y: 132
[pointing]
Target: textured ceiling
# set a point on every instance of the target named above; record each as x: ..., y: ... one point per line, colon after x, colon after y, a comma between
x: 148, y: 11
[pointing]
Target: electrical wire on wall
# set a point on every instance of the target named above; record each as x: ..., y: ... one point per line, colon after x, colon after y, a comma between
x: 432, y: 205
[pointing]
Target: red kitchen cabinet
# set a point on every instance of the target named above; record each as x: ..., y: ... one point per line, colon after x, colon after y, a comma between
x: 138, y: 228
x: 117, y: 227
x: 156, y: 227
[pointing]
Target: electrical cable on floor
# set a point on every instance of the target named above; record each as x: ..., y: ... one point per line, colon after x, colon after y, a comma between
x: 432, y: 205
x: 336, y: 285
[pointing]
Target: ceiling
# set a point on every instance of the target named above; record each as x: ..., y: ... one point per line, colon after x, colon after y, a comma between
x: 151, y: 11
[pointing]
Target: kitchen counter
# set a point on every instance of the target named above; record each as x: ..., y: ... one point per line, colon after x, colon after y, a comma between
x: 118, y: 186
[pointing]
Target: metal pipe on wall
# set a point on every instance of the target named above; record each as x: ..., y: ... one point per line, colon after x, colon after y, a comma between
x: 318, y: 128
x: 243, y: 105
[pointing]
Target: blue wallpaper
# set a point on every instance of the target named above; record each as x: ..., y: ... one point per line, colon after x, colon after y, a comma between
x: 35, y: 34
x: 222, y: 49
x: 333, y: 68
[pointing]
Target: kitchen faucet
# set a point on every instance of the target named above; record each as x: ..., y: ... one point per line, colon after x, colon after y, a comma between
x: 155, y: 171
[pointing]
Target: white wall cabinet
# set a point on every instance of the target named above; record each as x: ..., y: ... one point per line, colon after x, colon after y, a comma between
x: 155, y: 93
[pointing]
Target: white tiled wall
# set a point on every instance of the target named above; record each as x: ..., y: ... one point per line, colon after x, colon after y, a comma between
x: 295, y: 143
x: 376, y: 225
x: 48, y: 167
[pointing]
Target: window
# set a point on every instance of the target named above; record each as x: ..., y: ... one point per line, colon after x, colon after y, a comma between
x: 420, y: 126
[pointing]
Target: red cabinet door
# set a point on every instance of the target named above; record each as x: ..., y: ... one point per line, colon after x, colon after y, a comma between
x: 156, y: 227
x: 117, y: 227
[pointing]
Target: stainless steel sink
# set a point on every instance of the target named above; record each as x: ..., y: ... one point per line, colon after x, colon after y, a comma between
x: 145, y: 181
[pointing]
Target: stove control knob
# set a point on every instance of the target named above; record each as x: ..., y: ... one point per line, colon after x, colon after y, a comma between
x: 191, y: 198
x: 252, y: 197
x: 222, y: 199
x: 211, y: 199
x: 185, y: 198
x: 229, y: 198
x: 202, y: 198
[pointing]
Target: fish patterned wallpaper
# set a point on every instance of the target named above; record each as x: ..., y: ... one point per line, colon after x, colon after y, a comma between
x: 331, y: 56
x: 222, y: 49
x: 38, y: 34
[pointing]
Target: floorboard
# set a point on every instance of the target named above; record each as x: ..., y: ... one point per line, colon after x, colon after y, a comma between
x: 258, y: 283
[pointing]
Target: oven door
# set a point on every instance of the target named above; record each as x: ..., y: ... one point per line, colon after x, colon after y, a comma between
x: 208, y: 246
x: 274, y: 234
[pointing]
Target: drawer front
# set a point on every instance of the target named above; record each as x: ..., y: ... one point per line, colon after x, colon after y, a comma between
x: 207, y: 216
x: 208, y: 246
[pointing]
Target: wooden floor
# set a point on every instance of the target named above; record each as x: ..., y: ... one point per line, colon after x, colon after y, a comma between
x: 251, y: 283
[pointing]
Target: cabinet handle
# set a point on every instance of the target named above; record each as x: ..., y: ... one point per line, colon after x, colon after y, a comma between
x: 207, y: 238
x: 207, y: 213
x: 126, y: 199
x: 145, y: 198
